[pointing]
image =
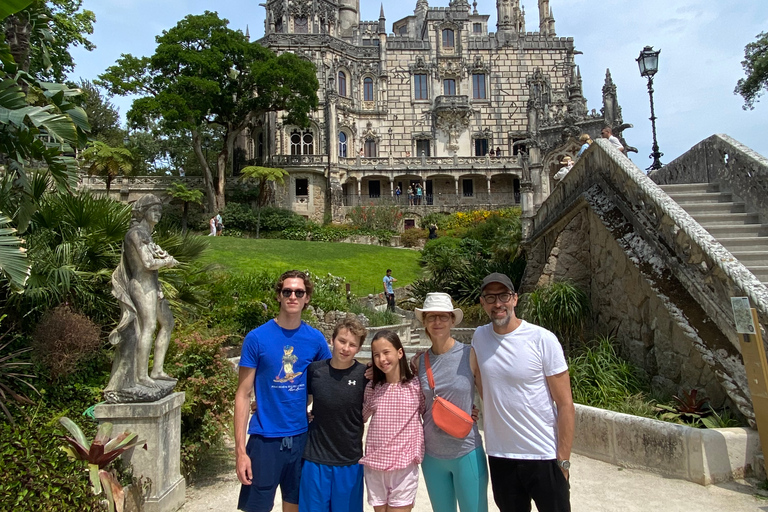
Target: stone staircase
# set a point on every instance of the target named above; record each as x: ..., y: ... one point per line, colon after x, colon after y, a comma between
x: 726, y: 218
x: 416, y: 345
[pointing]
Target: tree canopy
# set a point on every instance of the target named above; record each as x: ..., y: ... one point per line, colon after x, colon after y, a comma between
x: 755, y: 65
x: 204, y: 74
x: 41, y: 33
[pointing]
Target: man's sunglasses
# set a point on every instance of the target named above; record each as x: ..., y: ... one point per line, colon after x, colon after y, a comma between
x: 287, y: 292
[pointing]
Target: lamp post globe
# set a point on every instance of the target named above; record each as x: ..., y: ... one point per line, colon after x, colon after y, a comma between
x: 648, y: 62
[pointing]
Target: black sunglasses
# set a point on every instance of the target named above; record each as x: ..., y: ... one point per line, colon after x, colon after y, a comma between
x: 287, y: 292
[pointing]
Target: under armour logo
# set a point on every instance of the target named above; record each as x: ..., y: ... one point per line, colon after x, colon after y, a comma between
x: 351, y: 383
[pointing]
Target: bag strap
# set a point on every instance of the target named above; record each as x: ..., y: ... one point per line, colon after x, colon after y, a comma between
x: 430, y: 377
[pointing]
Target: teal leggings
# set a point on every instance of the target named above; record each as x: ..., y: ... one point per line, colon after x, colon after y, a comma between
x: 464, y: 480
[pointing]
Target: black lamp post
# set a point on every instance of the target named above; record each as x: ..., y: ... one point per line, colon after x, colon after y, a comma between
x: 648, y: 61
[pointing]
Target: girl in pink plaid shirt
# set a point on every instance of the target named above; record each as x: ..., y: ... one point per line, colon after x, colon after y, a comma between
x: 394, y: 447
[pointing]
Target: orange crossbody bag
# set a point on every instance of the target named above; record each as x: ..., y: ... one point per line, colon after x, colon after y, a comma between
x: 448, y: 417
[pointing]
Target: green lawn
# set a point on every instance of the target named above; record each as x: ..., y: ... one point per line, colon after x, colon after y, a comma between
x: 363, y: 266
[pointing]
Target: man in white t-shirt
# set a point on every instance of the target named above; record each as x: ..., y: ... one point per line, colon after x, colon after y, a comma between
x: 607, y: 133
x: 522, y: 375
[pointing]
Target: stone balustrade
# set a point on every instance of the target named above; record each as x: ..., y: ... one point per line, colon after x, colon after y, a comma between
x: 676, y: 251
x: 723, y: 160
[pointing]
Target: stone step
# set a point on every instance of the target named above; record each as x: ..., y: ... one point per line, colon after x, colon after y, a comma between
x: 760, y: 272
x: 747, y: 243
x: 365, y: 354
x: 747, y: 258
x: 690, y: 188
x: 710, y: 208
x: 709, y: 198
x: 738, y: 230
x: 712, y: 219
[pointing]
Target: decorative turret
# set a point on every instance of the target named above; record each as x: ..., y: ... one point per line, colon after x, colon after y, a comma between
x: 382, y: 21
x: 611, y: 111
x: 546, y: 19
x: 247, y: 33
x: 509, y: 16
x: 577, y: 105
x: 349, y: 17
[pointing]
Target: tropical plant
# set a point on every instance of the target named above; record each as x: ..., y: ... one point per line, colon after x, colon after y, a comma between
x: 562, y: 307
x: 600, y: 378
x: 104, y: 160
x: 98, y: 454
x: 263, y: 175
x: 12, y: 374
x: 180, y: 192
x: 74, y: 245
x: 14, y: 265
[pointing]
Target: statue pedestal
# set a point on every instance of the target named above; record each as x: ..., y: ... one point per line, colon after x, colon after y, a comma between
x: 159, y: 423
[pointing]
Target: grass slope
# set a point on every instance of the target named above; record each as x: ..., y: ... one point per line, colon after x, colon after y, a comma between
x: 363, y: 266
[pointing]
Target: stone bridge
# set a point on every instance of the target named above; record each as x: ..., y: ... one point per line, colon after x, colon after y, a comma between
x: 656, y: 278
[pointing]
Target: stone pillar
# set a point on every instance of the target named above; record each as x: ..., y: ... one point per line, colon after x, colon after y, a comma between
x: 488, y: 186
x: 159, y: 423
x: 359, y: 190
x: 456, y: 183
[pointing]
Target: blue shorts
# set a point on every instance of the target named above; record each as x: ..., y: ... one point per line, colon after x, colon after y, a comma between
x: 274, y: 461
x: 331, y: 488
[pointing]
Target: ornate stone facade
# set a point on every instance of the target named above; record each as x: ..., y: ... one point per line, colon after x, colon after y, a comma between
x: 475, y: 117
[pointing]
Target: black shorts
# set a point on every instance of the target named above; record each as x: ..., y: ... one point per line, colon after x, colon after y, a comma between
x: 274, y: 461
x: 516, y: 482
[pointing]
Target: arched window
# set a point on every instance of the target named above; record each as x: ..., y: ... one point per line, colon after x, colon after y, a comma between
x: 302, y: 143
x: 448, y: 38
x: 295, y: 143
x: 368, y: 89
x: 300, y: 25
x: 342, y: 84
x: 308, y: 147
x: 342, y: 145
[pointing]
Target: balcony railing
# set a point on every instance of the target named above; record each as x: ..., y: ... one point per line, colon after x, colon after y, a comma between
x: 288, y: 160
x: 451, y: 102
x: 495, y: 199
x: 431, y: 162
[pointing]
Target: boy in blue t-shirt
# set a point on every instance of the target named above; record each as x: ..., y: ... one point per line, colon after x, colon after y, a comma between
x: 273, y: 365
x: 331, y: 477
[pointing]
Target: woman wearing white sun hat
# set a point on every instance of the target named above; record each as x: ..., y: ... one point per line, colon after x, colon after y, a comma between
x: 455, y: 470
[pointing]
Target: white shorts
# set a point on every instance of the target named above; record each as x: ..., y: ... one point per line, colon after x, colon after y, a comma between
x: 396, y: 488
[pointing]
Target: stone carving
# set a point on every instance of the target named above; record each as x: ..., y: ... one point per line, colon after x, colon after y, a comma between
x: 135, y: 285
x: 452, y: 115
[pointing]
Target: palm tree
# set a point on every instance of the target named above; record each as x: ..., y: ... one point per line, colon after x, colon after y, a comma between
x: 104, y: 160
x: 185, y: 195
x: 263, y: 175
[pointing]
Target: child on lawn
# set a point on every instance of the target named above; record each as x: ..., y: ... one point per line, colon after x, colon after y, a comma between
x: 332, y: 478
x: 394, y: 447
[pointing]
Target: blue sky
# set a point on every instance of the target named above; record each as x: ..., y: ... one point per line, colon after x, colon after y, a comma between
x: 702, y: 46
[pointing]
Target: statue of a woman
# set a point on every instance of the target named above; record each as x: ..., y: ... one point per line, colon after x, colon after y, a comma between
x: 135, y: 285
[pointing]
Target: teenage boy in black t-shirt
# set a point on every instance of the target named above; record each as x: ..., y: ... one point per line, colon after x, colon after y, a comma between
x: 332, y: 478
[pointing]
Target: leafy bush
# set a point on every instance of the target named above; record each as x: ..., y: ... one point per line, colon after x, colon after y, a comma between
x: 330, y: 292
x: 412, y: 237
x: 461, y: 278
x: 561, y: 307
x: 209, y: 382
x: 376, y: 217
x: 63, y: 338
x: 38, y: 477
x: 242, y: 301
x: 278, y: 219
x: 439, y: 219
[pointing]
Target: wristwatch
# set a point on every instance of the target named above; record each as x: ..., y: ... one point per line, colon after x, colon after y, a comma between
x: 564, y: 464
